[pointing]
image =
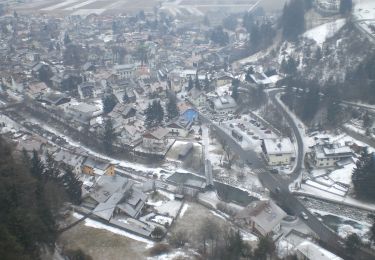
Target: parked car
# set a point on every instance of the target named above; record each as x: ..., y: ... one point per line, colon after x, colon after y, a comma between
x: 274, y: 171
x: 263, y: 128
x: 231, y: 125
x: 268, y: 132
x: 255, y: 137
x: 304, y: 215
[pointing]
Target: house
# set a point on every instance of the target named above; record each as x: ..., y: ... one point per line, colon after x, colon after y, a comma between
x: 126, y: 112
x: 97, y: 167
x: 278, y: 151
x: 55, y: 99
x: 179, y: 128
x: 262, y: 216
x: 223, y: 78
x: 330, y: 154
x: 156, y: 139
x: 73, y: 160
x: 83, y: 112
x: 196, y: 97
x: 124, y: 71
x: 310, y: 251
x: 86, y: 90
x: 223, y: 105
x: 115, y: 195
x: 36, y: 90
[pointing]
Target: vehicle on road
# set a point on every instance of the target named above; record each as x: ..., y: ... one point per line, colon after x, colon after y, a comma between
x: 274, y: 171
x: 304, y: 215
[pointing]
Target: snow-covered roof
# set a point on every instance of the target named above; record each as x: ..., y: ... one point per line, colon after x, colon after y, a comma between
x: 314, y: 252
x: 224, y: 102
x: 278, y: 146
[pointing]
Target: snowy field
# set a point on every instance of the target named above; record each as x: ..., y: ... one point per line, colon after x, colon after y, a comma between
x: 364, y: 10
x: 325, y: 31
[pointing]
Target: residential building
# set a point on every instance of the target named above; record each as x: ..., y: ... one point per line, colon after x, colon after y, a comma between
x: 196, y: 97
x: 278, y: 151
x: 310, y: 251
x: 124, y: 71
x: 97, y: 167
x: 179, y: 128
x: 156, y: 139
x: 223, y: 105
x: 262, y: 216
x: 328, y: 155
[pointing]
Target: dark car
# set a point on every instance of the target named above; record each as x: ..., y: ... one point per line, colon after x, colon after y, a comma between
x: 274, y: 171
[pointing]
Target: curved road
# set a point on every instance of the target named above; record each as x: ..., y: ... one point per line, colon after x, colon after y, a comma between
x: 280, y: 186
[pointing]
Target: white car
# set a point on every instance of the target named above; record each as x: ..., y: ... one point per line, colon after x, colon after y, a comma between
x: 304, y: 215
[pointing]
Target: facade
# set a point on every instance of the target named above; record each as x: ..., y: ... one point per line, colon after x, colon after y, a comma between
x: 263, y: 217
x: 155, y: 140
x: 179, y: 128
x: 124, y: 71
x: 278, y: 151
x: 197, y: 97
x: 96, y: 167
x: 224, y: 105
x: 310, y: 251
x: 328, y: 155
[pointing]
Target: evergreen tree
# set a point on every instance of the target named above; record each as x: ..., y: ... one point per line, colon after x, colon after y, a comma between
x: 197, y: 83
x: 37, y: 167
x: 67, y: 39
x: 352, y: 243
x: 265, y: 249
x: 346, y: 6
x: 154, y: 114
x: 159, y: 112
x: 52, y: 171
x: 73, y: 186
x: 109, y: 136
x: 109, y: 102
x: 190, y: 84
x: 363, y: 176
x: 172, y: 109
x: 125, y: 98
x: 333, y: 107
x: 206, y: 84
x: 293, y: 19
x: 235, y: 86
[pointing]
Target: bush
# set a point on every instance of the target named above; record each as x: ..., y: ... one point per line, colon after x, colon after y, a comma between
x: 159, y: 249
x: 178, y: 238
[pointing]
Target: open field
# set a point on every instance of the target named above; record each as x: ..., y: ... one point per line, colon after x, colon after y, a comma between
x: 112, y: 7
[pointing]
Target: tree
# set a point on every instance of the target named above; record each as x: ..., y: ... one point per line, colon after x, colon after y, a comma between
x: 266, y: 247
x: 72, y: 185
x: 219, y: 36
x: 367, y: 120
x: 372, y: 231
x: 52, y: 170
x: 67, y: 39
x: 172, y: 109
x: 230, y: 22
x: 109, y: 136
x: 346, y: 6
x: 293, y: 19
x: 363, y: 176
x: 154, y: 114
x: 352, y: 243
x: 206, y: 83
x: 235, y: 86
x: 109, y: 102
x: 158, y: 232
x: 37, y: 167
x: 74, y: 55
x: 190, y: 84
x: 125, y: 98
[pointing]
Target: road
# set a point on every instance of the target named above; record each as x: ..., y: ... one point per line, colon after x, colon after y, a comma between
x: 279, y: 186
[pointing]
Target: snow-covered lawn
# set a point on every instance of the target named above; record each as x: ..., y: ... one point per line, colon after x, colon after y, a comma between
x: 321, y: 33
x: 343, y: 175
x: 170, y: 208
x: 162, y: 220
x: 96, y: 224
x: 344, y: 226
x: 365, y: 10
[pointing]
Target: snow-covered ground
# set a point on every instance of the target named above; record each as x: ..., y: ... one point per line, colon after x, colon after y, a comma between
x: 99, y: 225
x: 364, y: 10
x: 325, y: 31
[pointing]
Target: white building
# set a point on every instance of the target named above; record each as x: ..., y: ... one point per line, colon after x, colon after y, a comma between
x: 224, y: 105
x: 278, y: 151
x: 328, y: 155
x: 310, y: 251
x: 263, y: 217
x: 124, y: 71
x: 197, y: 97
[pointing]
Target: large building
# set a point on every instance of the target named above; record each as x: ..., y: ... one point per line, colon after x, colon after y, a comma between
x: 310, y: 251
x: 328, y: 155
x: 278, y: 151
x: 263, y: 217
